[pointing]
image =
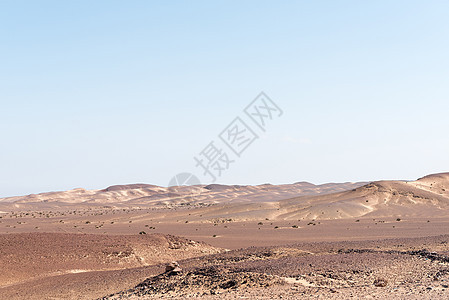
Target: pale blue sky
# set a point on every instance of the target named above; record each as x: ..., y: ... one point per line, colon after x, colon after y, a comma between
x: 95, y: 93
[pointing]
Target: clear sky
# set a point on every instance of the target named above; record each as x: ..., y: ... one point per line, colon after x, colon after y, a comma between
x: 96, y: 93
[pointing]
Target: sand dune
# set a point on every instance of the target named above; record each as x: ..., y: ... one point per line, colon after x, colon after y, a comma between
x: 48, y: 249
x: 144, y: 195
x: 427, y: 196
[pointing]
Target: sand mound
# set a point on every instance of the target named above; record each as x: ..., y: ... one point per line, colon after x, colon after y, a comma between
x: 428, y: 196
x: 38, y: 255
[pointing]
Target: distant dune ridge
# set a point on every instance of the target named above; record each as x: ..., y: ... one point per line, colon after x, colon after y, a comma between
x: 95, y: 243
x: 146, y: 195
x: 427, y: 196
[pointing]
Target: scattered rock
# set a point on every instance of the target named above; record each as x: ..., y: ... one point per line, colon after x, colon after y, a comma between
x: 173, y: 268
x: 212, y: 279
x: 380, y: 282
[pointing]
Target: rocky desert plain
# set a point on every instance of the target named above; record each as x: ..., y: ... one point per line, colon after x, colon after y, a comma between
x: 365, y: 240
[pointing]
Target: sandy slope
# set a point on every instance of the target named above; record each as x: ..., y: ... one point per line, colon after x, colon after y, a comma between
x: 30, y: 256
x: 144, y: 196
x: 428, y: 196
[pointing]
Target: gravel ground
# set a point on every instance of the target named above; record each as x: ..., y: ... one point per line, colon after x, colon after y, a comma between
x: 388, y: 269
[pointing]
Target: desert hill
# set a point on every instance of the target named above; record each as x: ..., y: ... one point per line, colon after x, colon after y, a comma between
x: 427, y: 196
x: 145, y: 195
x: 32, y: 256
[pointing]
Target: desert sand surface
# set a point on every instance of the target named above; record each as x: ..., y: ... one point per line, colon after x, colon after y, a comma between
x: 331, y: 241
